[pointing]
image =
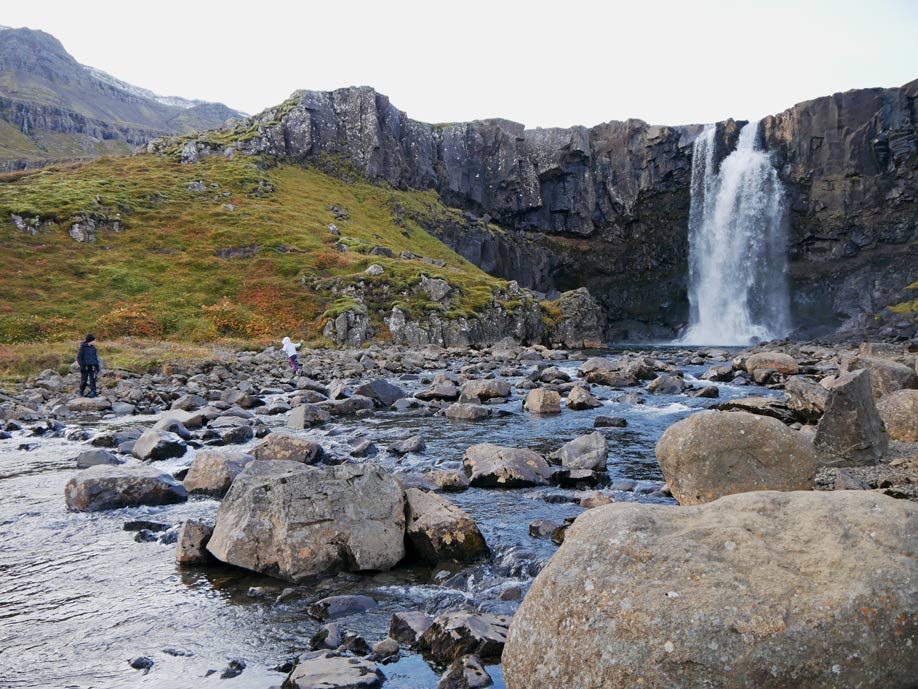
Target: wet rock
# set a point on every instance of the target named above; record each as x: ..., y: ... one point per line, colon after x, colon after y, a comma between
x: 716, y: 453
x: 233, y: 669
x: 707, y: 392
x: 466, y: 412
x: 574, y: 478
x: 806, y: 399
x: 141, y: 663
x: 191, y: 548
x: 718, y: 374
x: 106, y: 487
x: 381, y: 390
x: 510, y: 593
x: 349, y: 406
x: 91, y: 458
x: 413, y: 444
x: 609, y: 422
x: 448, y: 481
x: 89, y: 404
x: 776, y: 361
x: 492, y: 466
x: 466, y: 672
x: 363, y: 448
x: 341, y: 606
x: 761, y: 406
x: 542, y: 401
x: 408, y: 627
x: 139, y: 524
x: 485, y: 389
x: 169, y: 425
x: 189, y: 402
x: 440, y: 391
x: 293, y: 521
x: 455, y: 634
x: 886, y: 376
x: 438, y: 530
x: 589, y: 451
x: 899, y: 411
x: 851, y: 432
x: 328, y: 670
x: 307, y: 416
x: 212, y: 472
x: 579, y: 398
x: 288, y: 448
x: 595, y: 499
x: 666, y: 385
x: 542, y: 528
x: 153, y: 446
x: 387, y: 648
x: 648, y: 595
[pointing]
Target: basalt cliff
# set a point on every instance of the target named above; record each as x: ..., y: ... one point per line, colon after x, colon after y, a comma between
x: 606, y: 207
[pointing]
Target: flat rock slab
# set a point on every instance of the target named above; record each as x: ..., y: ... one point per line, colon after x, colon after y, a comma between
x: 89, y: 404
x: 492, y: 466
x: 105, y: 487
x: 328, y: 670
x: 767, y: 590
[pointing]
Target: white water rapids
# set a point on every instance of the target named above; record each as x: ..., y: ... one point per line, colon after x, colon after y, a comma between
x: 738, y: 290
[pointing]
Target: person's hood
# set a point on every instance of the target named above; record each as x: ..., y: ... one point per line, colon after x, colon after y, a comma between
x: 286, y: 340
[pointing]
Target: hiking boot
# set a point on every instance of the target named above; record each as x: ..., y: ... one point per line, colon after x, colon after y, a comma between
x: 92, y: 394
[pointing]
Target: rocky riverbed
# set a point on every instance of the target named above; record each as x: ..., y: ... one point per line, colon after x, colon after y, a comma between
x: 386, y: 510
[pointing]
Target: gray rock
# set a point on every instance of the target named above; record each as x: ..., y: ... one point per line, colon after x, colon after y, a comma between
x: 610, y: 422
x: 899, y: 411
x: 382, y: 391
x: 466, y: 672
x: 455, y: 634
x: 806, y: 399
x: 155, y: 445
x: 104, y: 487
x: 438, y: 530
x: 328, y: 670
x: 542, y: 401
x: 764, y: 589
x: 288, y: 448
x: 492, y: 466
x: 776, y: 361
x: 466, y: 412
x: 485, y: 389
x: 89, y: 404
x: 448, y: 481
x: 851, y: 432
x: 341, y: 606
x: 886, y: 376
x: 408, y: 627
x: 414, y: 444
x: 715, y: 453
x: 91, y: 458
x: 666, y: 385
x: 307, y: 416
x: 295, y: 521
x: 579, y: 398
x: 212, y: 472
x: 589, y: 451
x: 191, y: 548
x: 761, y: 406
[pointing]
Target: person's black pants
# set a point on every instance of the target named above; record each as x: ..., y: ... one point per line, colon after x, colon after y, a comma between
x: 87, y: 375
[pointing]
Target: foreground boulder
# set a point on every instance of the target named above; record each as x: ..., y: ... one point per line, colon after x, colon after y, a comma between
x: 586, y: 452
x: 329, y: 670
x: 438, y: 530
x: 212, y: 472
x: 899, y: 411
x: 492, y: 466
x: 294, y: 521
x: 851, y: 432
x: 766, y: 590
x: 105, y: 487
x: 716, y: 453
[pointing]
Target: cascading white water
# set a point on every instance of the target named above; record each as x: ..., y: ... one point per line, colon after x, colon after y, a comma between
x: 738, y: 290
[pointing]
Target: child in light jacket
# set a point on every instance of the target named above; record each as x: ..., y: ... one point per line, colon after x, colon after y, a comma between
x: 290, y: 351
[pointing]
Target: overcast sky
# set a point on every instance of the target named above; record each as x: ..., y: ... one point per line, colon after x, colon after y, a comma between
x: 541, y: 63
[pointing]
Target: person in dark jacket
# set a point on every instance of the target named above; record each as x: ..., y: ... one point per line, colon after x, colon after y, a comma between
x: 88, y: 360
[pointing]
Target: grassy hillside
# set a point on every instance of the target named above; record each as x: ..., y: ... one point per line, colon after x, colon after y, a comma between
x: 219, y: 248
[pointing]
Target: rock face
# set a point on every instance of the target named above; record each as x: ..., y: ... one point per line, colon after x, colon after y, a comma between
x: 767, y: 590
x: 716, y: 453
x: 899, y: 411
x: 851, y: 431
x: 493, y: 466
x: 293, y: 521
x: 438, y: 530
x: 104, y: 487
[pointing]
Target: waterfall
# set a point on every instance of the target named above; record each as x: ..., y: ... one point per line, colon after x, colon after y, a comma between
x: 738, y: 290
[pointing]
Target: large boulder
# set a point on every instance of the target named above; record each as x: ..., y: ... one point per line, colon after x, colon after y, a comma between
x: 294, y: 521
x: 105, y: 487
x: 899, y: 411
x: 492, y: 466
x: 886, y: 376
x: 806, y: 399
x: 438, y: 530
x: 154, y: 445
x: 288, y: 448
x: 775, y: 361
x: 851, y: 432
x: 542, y: 401
x: 212, y: 472
x: 716, y: 453
x: 767, y: 590
x: 586, y: 452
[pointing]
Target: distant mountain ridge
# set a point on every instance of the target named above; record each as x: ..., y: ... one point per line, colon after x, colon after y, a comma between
x: 53, y: 108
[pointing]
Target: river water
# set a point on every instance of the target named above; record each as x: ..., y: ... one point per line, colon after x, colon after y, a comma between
x: 79, y: 597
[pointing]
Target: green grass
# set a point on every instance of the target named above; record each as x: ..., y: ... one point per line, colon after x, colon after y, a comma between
x: 159, y: 274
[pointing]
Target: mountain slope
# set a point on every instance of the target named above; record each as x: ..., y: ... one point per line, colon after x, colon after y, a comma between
x: 54, y: 108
